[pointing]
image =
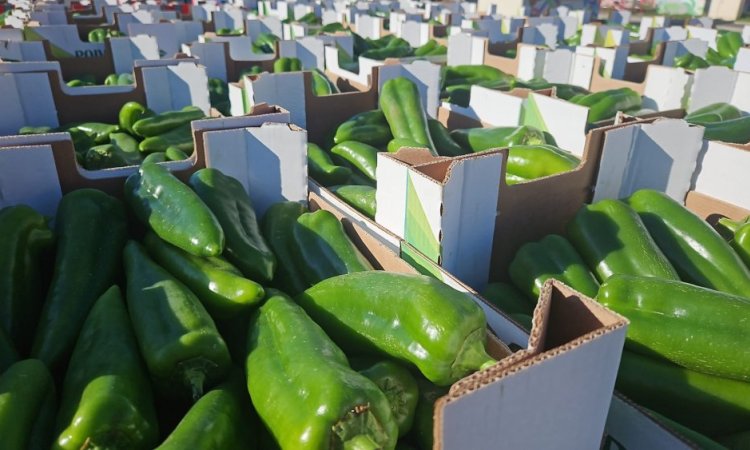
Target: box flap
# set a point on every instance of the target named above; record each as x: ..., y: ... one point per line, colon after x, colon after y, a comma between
x: 36, y: 185
x: 27, y: 100
x: 537, y: 383
x: 169, y: 36
x: 173, y: 87
x: 464, y: 48
x: 720, y: 84
x: 662, y: 155
x: 284, y: 89
x: 720, y: 163
x: 64, y: 41
x: 126, y: 50
x: 666, y: 88
x: 270, y: 161
x: 674, y: 49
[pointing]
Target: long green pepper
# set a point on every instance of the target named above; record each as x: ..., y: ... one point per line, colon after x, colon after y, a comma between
x: 177, y: 337
x: 227, y: 199
x: 303, y: 388
x: 91, y: 230
x: 106, y: 398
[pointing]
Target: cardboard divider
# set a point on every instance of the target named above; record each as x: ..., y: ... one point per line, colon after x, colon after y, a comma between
x: 72, y: 68
x: 493, y: 55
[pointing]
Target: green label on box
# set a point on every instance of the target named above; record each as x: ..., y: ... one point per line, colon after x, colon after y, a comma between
x: 417, y: 230
x: 419, y: 261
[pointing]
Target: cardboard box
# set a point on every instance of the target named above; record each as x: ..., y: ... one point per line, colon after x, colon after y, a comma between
x: 35, y: 94
x: 513, y: 391
x: 568, y: 361
x: 720, y: 84
x: 293, y: 91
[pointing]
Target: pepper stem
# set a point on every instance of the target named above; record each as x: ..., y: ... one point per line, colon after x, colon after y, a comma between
x: 194, y: 374
x: 359, y: 429
x: 472, y: 356
x: 361, y: 442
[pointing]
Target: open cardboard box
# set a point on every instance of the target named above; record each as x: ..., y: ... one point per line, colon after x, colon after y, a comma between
x: 35, y: 94
x: 568, y: 362
x: 318, y: 114
x: 670, y: 156
x: 220, y: 63
x: 119, y: 56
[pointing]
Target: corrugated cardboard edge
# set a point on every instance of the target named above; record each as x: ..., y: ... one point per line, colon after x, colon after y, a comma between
x: 635, y: 74
x: 535, y: 353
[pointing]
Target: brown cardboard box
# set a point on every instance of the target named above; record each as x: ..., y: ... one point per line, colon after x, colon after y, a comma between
x: 567, y: 363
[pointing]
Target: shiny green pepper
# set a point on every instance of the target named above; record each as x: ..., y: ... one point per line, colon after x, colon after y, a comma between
x: 402, y: 107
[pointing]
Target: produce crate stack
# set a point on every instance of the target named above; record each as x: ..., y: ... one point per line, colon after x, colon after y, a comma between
x: 309, y: 224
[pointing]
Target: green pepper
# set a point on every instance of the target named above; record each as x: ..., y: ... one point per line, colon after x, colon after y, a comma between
x: 27, y: 406
x: 396, y: 48
x: 333, y: 27
x: 180, y: 138
x: 322, y: 169
x: 423, y: 430
x: 480, y: 139
x: 697, y: 328
x: 535, y: 84
x: 537, y: 161
x: 322, y: 85
x: 25, y: 239
x: 310, y: 19
x: 605, y: 105
x: 79, y: 83
x: 426, y: 48
x: 178, y: 339
x: 361, y: 198
x: 551, y: 257
x: 218, y: 284
x: 130, y: 113
x: 472, y: 74
x: 444, y: 143
x: 727, y: 227
x: 98, y: 131
x: 397, y: 144
x: 702, y: 441
x: 708, y: 404
x: 106, y: 398
x: 439, y: 330
x: 286, y: 64
x: 173, y: 211
x: 716, y: 112
x: 613, y: 240
x: 369, y: 127
x: 173, y: 153
x: 156, y: 157
x: 738, y: 441
x: 91, y: 230
x: 111, y: 80
x: 398, y: 385
x: 228, y: 200
x: 362, y: 156
x: 277, y: 226
x: 221, y: 419
x: 161, y: 123
x: 741, y: 242
x: 324, y: 248
x: 729, y: 44
x: 97, y: 35
x: 736, y: 131
x: 265, y: 43
x: 303, y: 388
x: 113, y: 155
x: 36, y: 130
x: 568, y: 91
x: 460, y: 94
x: 507, y: 298
x: 8, y: 353
x: 694, y: 248
x: 402, y: 107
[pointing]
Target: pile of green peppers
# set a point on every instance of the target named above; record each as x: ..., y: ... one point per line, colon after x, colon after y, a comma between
x: 685, y: 290
x: 347, y: 161
x: 722, y: 122
x: 141, y: 135
x: 213, y: 328
x: 99, y: 35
